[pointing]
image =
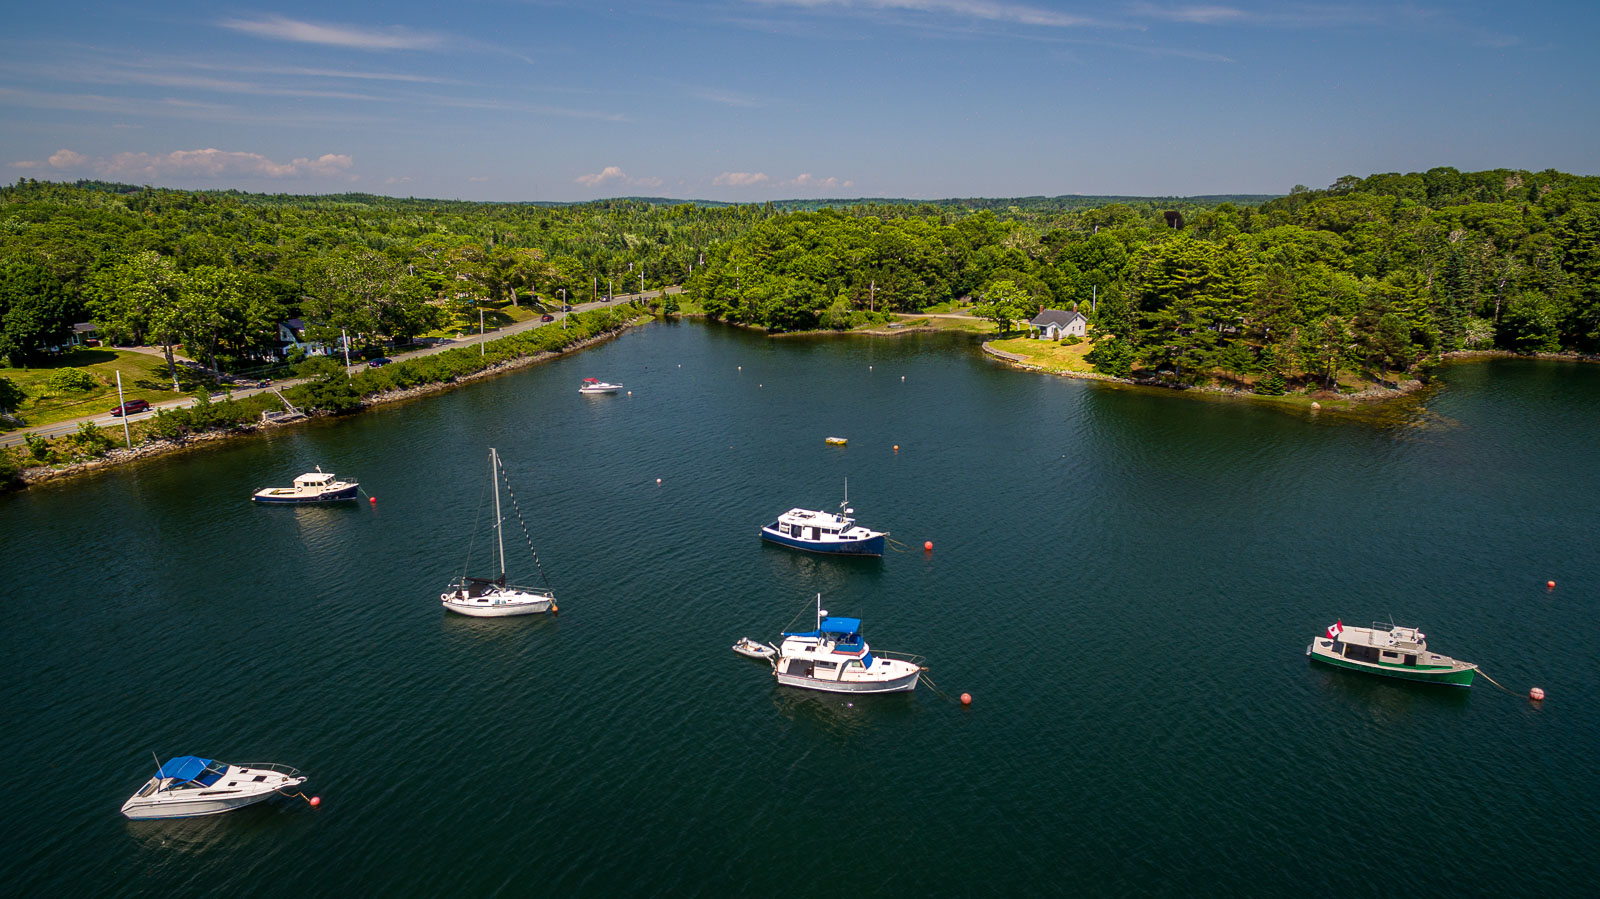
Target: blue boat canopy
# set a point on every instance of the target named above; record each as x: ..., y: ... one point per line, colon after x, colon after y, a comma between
x: 835, y: 625
x: 187, y: 767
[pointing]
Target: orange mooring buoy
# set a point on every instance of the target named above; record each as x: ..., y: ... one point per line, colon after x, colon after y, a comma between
x: 966, y: 699
x: 373, y: 500
x: 927, y: 546
x: 1549, y: 585
x: 1536, y: 694
x: 316, y: 801
x: 897, y: 447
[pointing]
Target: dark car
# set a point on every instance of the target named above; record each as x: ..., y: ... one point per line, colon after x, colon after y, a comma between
x: 379, y: 362
x: 567, y: 308
x: 130, y: 407
x: 547, y: 317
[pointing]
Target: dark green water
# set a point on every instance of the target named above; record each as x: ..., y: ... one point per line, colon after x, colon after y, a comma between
x: 1126, y: 581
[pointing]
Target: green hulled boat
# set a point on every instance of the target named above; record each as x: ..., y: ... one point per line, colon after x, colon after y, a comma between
x: 1390, y: 651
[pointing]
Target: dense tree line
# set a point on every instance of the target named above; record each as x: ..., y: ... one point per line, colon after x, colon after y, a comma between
x: 1372, y: 276
x: 213, y: 273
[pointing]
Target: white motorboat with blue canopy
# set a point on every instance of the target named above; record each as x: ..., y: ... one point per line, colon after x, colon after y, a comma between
x: 189, y: 786
x: 829, y: 533
x: 835, y: 658
x: 482, y: 597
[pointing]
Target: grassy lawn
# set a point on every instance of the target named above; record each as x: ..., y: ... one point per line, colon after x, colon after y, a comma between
x: 1048, y: 354
x: 495, y: 315
x: 143, y: 377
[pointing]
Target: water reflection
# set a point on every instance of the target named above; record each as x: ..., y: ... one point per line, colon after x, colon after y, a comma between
x: 1387, y: 700
x: 212, y: 833
x: 843, y: 715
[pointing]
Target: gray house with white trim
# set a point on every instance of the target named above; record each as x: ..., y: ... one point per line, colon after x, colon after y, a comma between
x: 1054, y: 324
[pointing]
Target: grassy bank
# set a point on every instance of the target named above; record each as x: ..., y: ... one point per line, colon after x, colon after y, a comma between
x: 55, y: 393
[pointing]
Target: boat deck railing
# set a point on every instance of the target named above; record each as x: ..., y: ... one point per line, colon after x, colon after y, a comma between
x: 898, y: 656
x: 269, y: 766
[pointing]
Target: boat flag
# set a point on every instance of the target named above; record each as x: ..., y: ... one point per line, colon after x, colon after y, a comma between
x: 1335, y: 629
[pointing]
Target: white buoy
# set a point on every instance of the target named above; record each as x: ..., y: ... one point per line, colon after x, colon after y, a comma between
x: 658, y: 480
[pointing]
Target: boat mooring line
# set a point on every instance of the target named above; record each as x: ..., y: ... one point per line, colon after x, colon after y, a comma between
x: 923, y: 676
x: 1495, y: 682
x: 896, y: 545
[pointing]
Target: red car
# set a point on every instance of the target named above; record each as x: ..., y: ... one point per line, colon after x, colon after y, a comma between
x: 547, y: 317
x: 130, y: 407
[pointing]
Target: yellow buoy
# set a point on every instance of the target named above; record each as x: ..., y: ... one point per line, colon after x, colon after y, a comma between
x: 838, y: 441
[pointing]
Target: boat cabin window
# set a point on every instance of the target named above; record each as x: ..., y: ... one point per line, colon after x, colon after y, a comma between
x: 794, y: 530
x: 1411, y: 660
x: 825, y: 666
x: 1360, y: 653
x: 1387, y: 656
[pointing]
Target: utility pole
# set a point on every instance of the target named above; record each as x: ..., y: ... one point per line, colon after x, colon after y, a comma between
x: 1094, y: 298
x: 611, y: 292
x: 123, y: 405
x: 345, y: 339
x: 480, y: 333
x: 872, y: 296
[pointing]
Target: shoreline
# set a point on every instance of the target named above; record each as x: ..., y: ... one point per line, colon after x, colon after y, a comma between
x: 161, y: 447
x: 1371, y: 395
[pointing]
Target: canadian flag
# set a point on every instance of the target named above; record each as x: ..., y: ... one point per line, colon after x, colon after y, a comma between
x: 1335, y: 629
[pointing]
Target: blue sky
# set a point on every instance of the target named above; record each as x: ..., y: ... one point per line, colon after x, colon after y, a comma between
x: 750, y: 100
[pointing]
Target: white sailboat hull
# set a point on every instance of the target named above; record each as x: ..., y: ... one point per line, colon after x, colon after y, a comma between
x: 501, y: 606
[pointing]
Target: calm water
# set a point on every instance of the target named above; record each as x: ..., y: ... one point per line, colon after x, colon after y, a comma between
x: 1125, y: 581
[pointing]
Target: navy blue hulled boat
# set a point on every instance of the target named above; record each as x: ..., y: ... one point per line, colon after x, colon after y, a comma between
x: 825, y: 532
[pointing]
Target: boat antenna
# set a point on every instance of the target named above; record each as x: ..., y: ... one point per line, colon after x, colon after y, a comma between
x: 494, y: 475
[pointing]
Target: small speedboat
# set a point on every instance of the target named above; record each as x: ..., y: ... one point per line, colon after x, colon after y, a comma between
x: 1390, y: 651
x: 187, y: 786
x: 834, y: 658
x: 312, y: 487
x: 749, y: 647
x: 594, y: 385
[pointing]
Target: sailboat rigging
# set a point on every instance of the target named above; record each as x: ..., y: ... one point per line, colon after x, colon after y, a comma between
x: 482, y: 597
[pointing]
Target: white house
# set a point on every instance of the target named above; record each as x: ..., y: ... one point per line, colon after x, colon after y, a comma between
x: 1054, y: 324
x: 292, y: 336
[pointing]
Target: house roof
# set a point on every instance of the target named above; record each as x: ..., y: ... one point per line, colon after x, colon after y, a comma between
x: 85, y: 327
x: 1056, y: 317
x: 295, y: 324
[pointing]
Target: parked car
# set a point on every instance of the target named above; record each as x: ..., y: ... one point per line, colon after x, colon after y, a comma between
x: 130, y: 407
x: 547, y: 317
x: 567, y: 308
x: 379, y: 362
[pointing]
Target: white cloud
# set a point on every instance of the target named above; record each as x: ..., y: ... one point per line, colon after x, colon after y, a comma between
x: 1197, y: 15
x: 207, y: 163
x: 403, y: 179
x: 614, y: 174
x: 740, y: 179
x: 729, y: 98
x: 478, y: 179
x: 66, y: 159
x: 985, y: 10
x: 810, y: 181
x: 355, y: 37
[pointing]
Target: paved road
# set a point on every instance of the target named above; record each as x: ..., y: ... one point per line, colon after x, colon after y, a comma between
x: 61, y: 428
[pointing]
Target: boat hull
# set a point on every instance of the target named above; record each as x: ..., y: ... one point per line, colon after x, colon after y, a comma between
x: 903, y: 684
x: 872, y: 546
x: 331, y: 496
x: 143, y: 809
x: 1453, y: 676
x: 502, y: 608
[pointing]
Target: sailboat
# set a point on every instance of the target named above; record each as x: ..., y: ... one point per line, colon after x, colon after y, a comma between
x: 483, y: 597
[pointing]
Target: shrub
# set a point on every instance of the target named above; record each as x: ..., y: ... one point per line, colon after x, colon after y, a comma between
x: 11, y: 396
x: 1272, y: 384
x: 71, y: 380
x: 90, y: 441
x: 1071, y: 340
x: 38, y: 447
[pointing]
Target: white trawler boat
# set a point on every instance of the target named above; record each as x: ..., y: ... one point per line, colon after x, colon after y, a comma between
x: 312, y: 487
x: 835, y: 658
x: 825, y: 532
x: 482, y: 597
x: 1390, y: 651
x: 187, y: 786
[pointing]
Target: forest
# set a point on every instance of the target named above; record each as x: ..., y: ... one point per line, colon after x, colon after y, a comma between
x: 1377, y: 276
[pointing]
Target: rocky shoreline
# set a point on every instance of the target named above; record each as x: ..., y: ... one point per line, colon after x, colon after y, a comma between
x: 152, y: 449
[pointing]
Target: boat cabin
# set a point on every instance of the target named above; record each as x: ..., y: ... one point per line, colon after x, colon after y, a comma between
x: 835, y: 649
x: 1385, y: 644
x: 313, y: 480
x: 806, y: 524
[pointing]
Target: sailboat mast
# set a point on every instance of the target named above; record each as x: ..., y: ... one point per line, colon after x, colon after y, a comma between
x: 494, y: 475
